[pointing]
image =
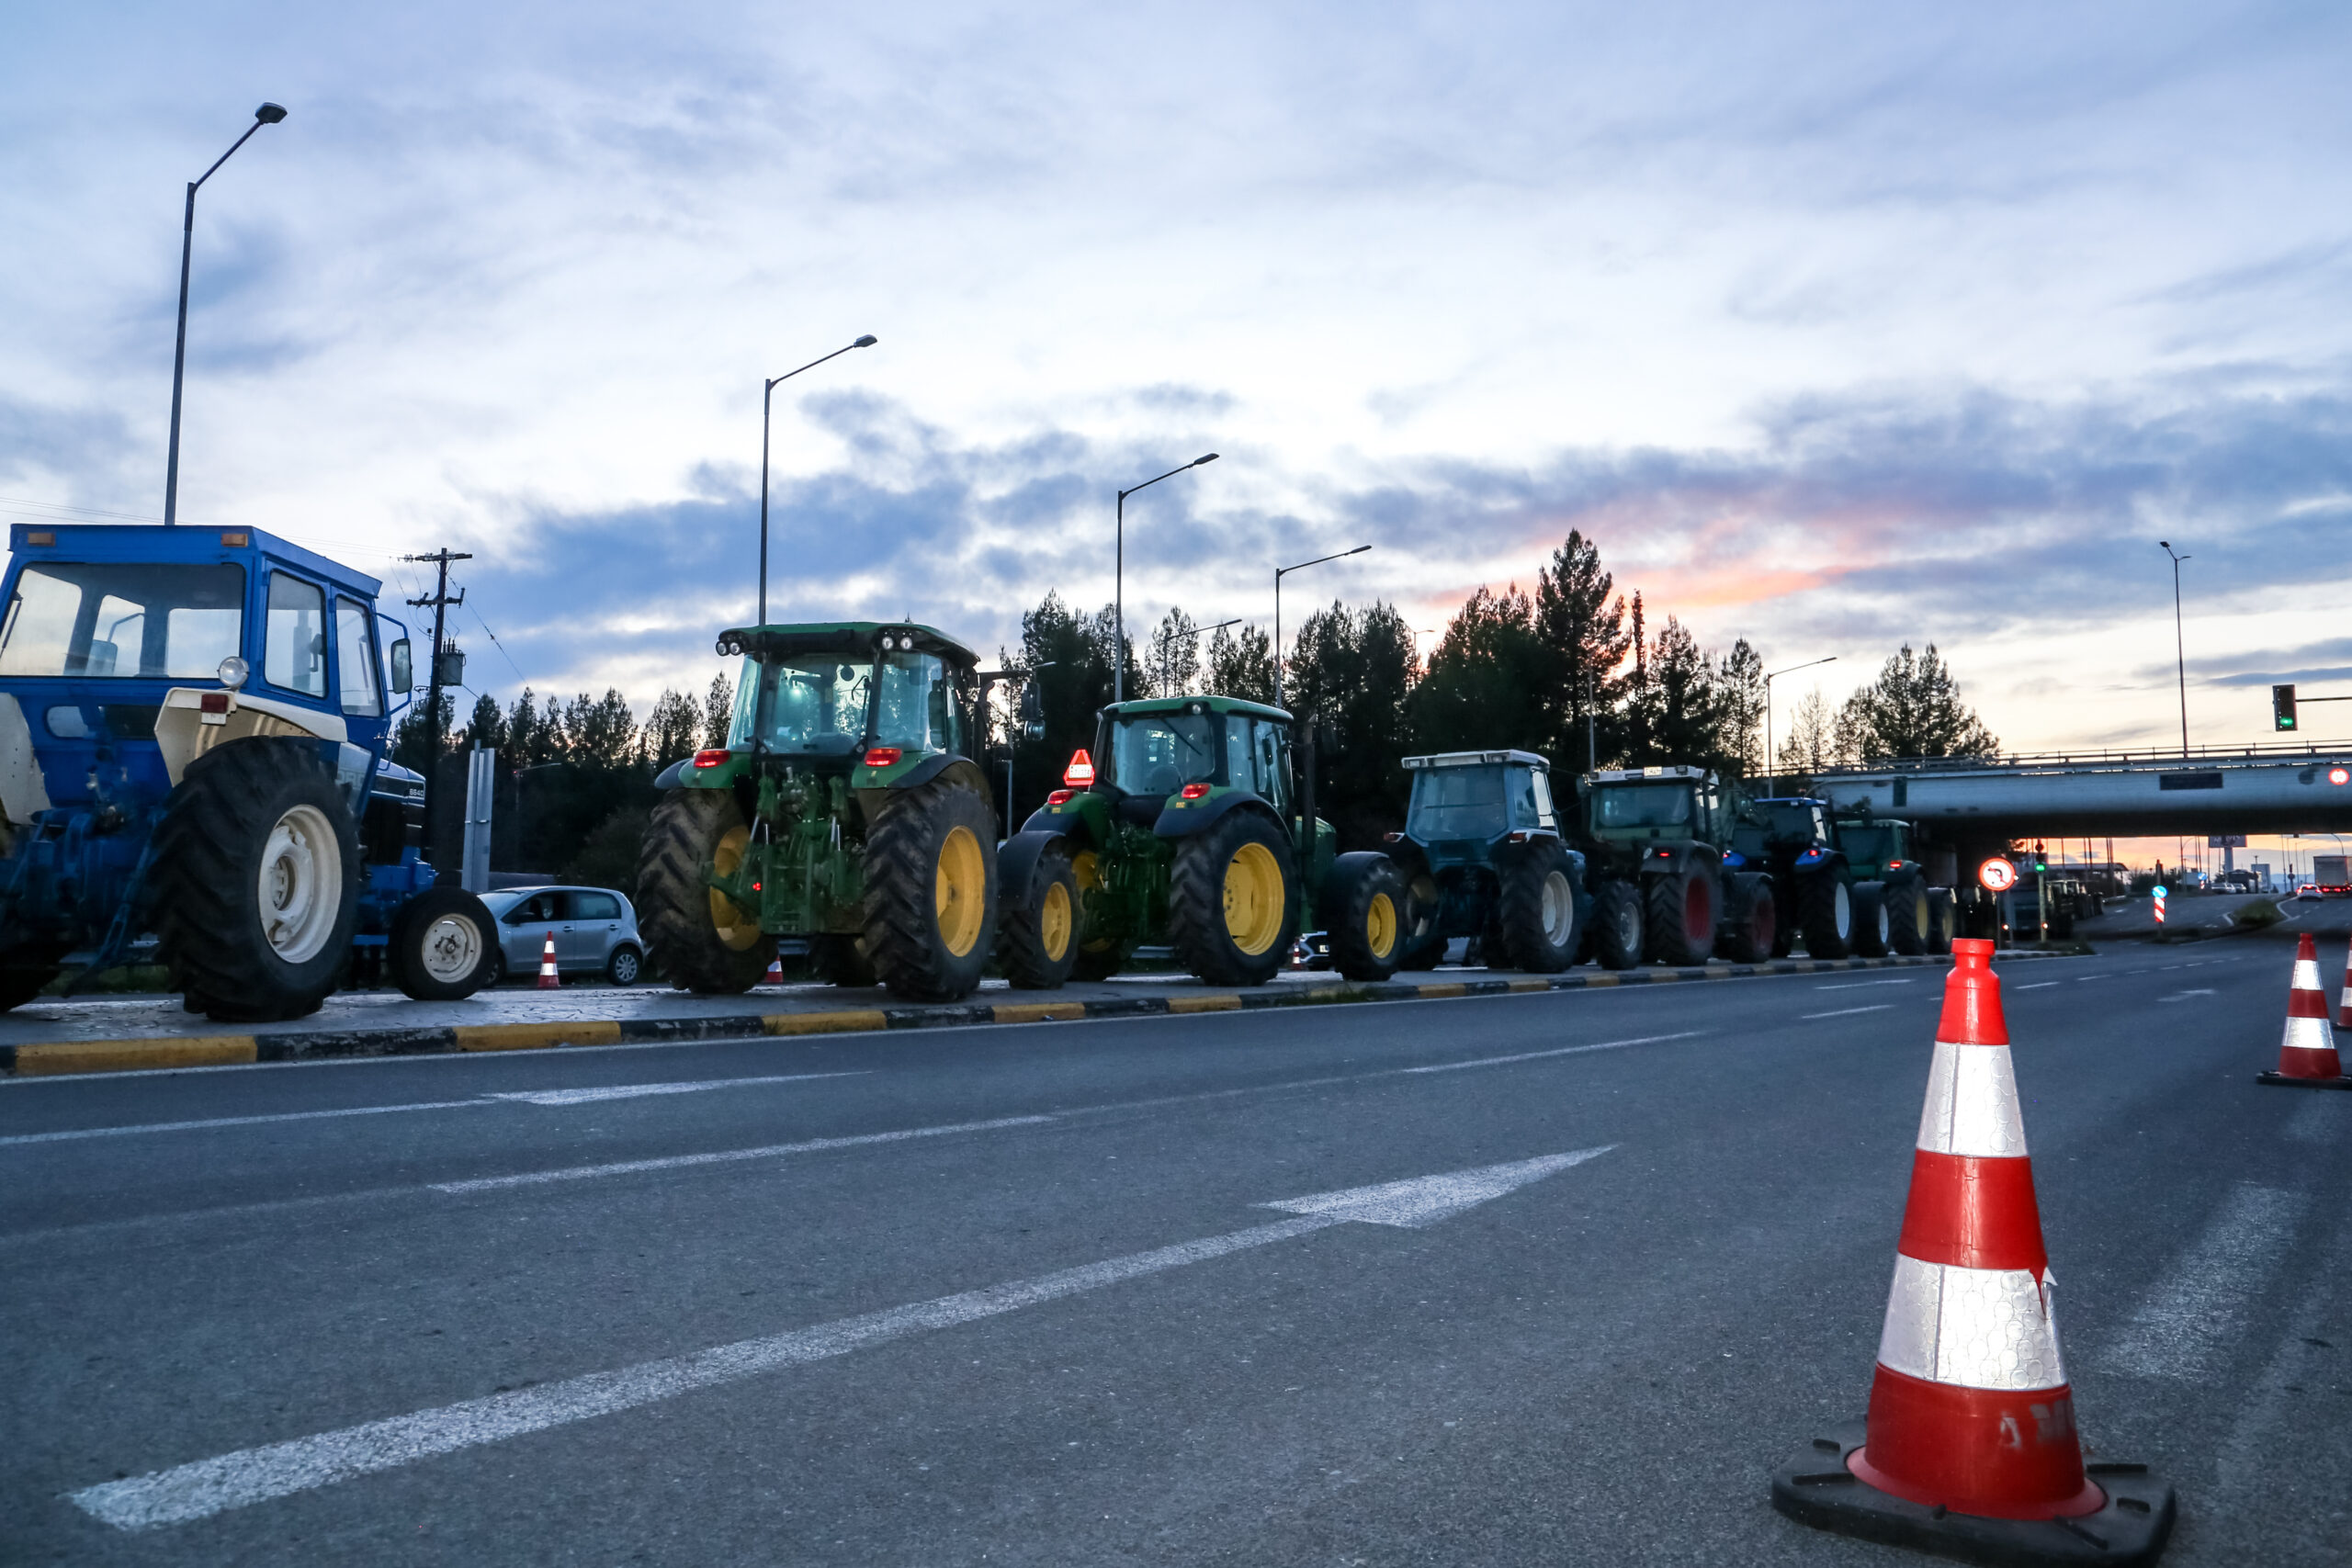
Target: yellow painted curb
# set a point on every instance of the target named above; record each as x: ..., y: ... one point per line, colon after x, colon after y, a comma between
x: 1522, y: 987
x: 133, y: 1055
x: 1609, y: 979
x: 1204, y: 1004
x: 826, y: 1023
x: 1435, y: 993
x: 1036, y: 1012
x: 535, y: 1036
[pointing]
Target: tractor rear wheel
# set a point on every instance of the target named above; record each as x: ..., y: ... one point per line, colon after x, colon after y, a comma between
x: 1036, y: 926
x: 1908, y: 921
x: 1538, y: 908
x: 442, y: 946
x: 931, y: 893
x: 1944, y: 920
x: 1755, y: 924
x: 702, y: 939
x: 1826, y: 911
x: 1617, y: 925
x: 256, y: 885
x: 1232, y: 901
x: 1680, y: 909
x: 1872, y: 923
x: 1362, y: 907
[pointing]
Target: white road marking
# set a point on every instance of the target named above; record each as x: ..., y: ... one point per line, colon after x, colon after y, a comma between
x: 1857, y: 985
x: 1844, y: 1012
x: 2188, y: 1328
x: 2184, y: 995
x: 633, y: 1090
x: 1561, y: 1051
x: 206, y: 1487
x: 726, y: 1156
x: 2037, y: 986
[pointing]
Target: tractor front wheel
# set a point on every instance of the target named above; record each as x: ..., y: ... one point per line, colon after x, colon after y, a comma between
x: 1908, y: 920
x: 1681, y: 916
x: 1232, y: 901
x: 256, y: 885
x: 1363, y: 910
x: 1538, y: 908
x: 1826, y: 910
x: 1037, y: 926
x: 702, y: 939
x: 931, y: 895
x: 442, y: 946
x: 1755, y: 927
x: 1617, y: 925
x: 1944, y: 920
x: 1872, y: 926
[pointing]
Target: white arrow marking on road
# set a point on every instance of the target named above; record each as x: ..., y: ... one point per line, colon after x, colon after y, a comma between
x: 206, y: 1487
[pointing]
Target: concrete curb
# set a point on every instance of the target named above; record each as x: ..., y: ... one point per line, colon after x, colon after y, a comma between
x: 301, y: 1045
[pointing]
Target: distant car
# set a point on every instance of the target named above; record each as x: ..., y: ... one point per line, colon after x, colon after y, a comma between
x: 594, y: 931
x: 2309, y: 893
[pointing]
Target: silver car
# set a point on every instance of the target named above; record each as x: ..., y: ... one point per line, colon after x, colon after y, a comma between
x: 594, y: 931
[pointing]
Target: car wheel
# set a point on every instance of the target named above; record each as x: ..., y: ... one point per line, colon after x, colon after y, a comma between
x: 622, y: 966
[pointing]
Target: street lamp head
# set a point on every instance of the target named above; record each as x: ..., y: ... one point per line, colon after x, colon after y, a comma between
x: 270, y: 113
x: 1359, y: 549
x: 865, y: 341
x: 1208, y: 457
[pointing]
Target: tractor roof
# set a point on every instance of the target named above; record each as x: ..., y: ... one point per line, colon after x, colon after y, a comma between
x: 1476, y: 759
x: 187, y: 544
x: 1648, y: 776
x: 861, y: 637
x: 1195, y: 705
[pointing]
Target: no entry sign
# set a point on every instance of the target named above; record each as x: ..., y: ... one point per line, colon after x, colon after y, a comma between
x: 1997, y: 875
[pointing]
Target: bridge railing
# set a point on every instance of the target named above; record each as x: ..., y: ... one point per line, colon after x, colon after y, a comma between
x: 2078, y: 757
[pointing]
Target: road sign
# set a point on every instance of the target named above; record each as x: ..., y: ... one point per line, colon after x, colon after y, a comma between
x: 1997, y: 875
x: 2160, y: 903
x: 2225, y: 841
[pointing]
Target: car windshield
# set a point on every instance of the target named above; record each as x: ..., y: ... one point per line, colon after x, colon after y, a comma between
x: 1642, y: 805
x: 805, y: 703
x: 123, y: 620
x: 1455, y: 803
x: 1163, y: 752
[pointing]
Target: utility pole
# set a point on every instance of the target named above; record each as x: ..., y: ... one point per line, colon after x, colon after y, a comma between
x: 447, y: 663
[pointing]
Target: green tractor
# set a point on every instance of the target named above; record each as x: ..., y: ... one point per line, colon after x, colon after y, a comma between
x: 1881, y: 851
x: 1655, y: 842
x: 1187, y: 835
x: 845, y: 808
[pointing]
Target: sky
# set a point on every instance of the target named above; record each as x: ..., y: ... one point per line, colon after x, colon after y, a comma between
x: 1837, y: 326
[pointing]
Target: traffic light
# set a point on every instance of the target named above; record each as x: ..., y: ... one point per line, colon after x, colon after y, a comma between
x: 2282, y: 708
x: 2040, y: 856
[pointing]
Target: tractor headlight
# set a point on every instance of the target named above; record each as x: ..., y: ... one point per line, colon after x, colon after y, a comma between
x: 233, y: 671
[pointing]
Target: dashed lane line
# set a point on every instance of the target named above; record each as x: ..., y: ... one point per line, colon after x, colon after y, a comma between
x: 1846, y: 1012
x: 1559, y: 1051
x: 727, y: 1157
x: 1857, y: 985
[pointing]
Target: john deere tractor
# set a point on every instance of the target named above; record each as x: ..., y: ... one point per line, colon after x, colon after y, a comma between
x: 1654, y: 844
x: 1482, y: 856
x: 1880, y: 851
x: 844, y: 809
x: 1187, y: 834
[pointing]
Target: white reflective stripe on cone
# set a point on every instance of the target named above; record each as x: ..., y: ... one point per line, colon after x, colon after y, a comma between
x: 1971, y: 1105
x: 2306, y: 976
x: 2308, y: 1035
x: 1976, y: 1328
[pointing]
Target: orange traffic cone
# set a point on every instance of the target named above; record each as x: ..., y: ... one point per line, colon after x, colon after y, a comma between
x: 1969, y: 1447
x: 2344, y: 1000
x: 775, y: 976
x: 2307, y: 1057
x: 547, y: 979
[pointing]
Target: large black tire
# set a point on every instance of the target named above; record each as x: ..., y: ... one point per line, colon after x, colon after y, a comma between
x: 1909, y: 919
x: 836, y: 960
x: 930, y: 893
x: 1617, y: 924
x: 1223, y: 915
x: 1425, y: 941
x: 1037, y: 927
x: 444, y: 946
x: 26, y: 972
x: 255, y: 888
x: 1944, y: 920
x: 701, y: 939
x: 1752, y: 924
x: 1364, y: 909
x: 1680, y: 911
x: 1871, y: 933
x: 1537, y: 908
x: 1826, y: 914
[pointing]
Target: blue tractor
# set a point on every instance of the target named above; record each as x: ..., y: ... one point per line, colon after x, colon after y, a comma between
x: 1483, y: 857
x: 193, y: 727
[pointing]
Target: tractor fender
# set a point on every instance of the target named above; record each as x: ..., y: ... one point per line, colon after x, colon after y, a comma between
x: 669, y: 777
x: 930, y: 768
x: 1017, y: 857
x: 1183, y: 822
x: 1678, y: 859
x: 1410, y: 858
x: 182, y: 735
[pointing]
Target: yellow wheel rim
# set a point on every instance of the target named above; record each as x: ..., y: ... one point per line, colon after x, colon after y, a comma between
x: 1380, y: 925
x: 1087, y: 869
x: 1054, y: 923
x: 734, y: 927
x: 960, y: 893
x: 1253, y: 899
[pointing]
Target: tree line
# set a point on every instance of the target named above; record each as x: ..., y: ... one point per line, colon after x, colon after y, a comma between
x: 1576, y: 671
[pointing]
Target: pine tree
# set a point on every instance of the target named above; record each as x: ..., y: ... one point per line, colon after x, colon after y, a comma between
x: 1484, y: 688
x: 1242, y: 664
x: 718, y: 710
x: 1175, y: 655
x: 1739, y: 689
x: 1584, y: 641
x: 1913, y: 709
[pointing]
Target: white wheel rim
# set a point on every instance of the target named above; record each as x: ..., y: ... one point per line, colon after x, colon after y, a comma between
x: 1844, y: 913
x: 1629, y: 923
x: 301, y: 884
x: 625, y: 966
x: 1559, y: 908
x: 451, y: 949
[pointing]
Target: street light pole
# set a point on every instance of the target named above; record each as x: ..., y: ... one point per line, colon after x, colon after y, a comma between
x: 1165, y: 677
x: 1280, y: 572
x: 268, y: 114
x: 1768, y: 712
x: 1119, y: 578
x: 767, y: 400
x: 2179, y: 648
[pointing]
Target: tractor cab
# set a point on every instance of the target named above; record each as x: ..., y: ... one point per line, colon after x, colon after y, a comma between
x: 1464, y: 803
x: 1632, y: 808
x: 1786, y: 829
x: 1185, y: 755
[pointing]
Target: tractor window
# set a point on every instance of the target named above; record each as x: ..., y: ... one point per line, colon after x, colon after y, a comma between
x: 1796, y: 824
x: 1875, y: 846
x: 1163, y: 752
x: 354, y: 658
x: 295, y: 657
x: 161, y: 622
x: 1456, y: 803
x: 1642, y: 805
x: 910, y: 702
x: 1271, y: 783
x: 806, y: 705
x: 1546, y: 816
x: 1530, y: 799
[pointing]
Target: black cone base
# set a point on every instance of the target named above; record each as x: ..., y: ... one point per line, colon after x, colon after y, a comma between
x: 2281, y: 1080
x: 1815, y: 1488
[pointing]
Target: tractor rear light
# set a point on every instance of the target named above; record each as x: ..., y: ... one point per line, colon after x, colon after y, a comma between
x: 1521, y: 838
x: 1663, y: 854
x: 715, y: 756
x: 214, y: 702
x: 1081, y: 771
x: 882, y: 757
x: 1061, y: 798
x: 1894, y: 866
x: 1194, y: 791
x: 755, y: 888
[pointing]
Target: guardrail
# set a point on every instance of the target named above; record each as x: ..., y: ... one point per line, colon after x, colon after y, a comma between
x: 2278, y: 751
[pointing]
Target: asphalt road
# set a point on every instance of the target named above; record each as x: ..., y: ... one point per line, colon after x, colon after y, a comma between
x: 1596, y: 1360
